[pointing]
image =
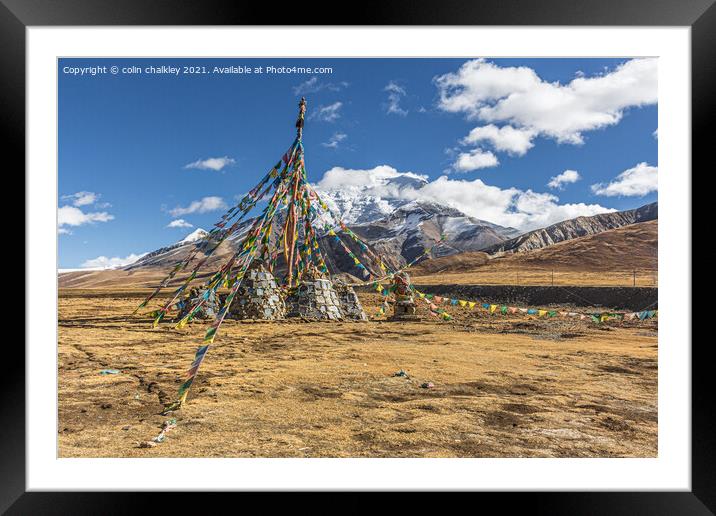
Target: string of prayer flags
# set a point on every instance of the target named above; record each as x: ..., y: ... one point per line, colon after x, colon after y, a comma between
x: 541, y: 313
x: 288, y: 189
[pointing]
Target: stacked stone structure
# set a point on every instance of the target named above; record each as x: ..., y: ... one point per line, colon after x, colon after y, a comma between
x: 259, y: 297
x: 207, y: 311
x: 350, y: 304
x: 314, y: 298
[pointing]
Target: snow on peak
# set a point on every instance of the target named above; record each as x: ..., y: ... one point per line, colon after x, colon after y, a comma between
x: 361, y: 196
x: 195, y: 235
x: 376, y: 181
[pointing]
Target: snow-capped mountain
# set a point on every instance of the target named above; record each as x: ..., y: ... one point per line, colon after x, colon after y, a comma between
x: 359, y: 199
x: 195, y: 235
x: 417, y: 225
x: 383, y: 209
x: 168, y: 255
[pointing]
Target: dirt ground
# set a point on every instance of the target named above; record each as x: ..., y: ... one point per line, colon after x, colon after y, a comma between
x: 502, y: 386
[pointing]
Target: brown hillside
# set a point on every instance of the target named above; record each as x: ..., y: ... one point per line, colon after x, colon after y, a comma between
x: 582, y: 260
x: 461, y: 262
x: 607, y: 258
x: 115, y: 279
x: 629, y: 247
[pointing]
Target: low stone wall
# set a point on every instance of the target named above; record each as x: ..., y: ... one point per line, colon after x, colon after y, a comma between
x: 618, y: 298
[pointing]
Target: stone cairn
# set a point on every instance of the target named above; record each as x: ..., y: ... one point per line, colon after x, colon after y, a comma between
x: 314, y: 298
x: 258, y: 297
x: 207, y: 311
x: 404, y: 305
x: 350, y: 304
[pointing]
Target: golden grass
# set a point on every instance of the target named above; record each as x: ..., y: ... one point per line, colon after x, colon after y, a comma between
x: 499, y: 274
x: 504, y: 386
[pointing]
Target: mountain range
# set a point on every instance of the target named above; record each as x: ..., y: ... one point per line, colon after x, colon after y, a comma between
x: 395, y: 228
x: 575, y: 228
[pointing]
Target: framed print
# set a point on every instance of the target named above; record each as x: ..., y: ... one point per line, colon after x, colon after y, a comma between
x: 423, y: 249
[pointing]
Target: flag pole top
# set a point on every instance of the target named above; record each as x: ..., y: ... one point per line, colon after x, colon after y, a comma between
x: 301, y: 117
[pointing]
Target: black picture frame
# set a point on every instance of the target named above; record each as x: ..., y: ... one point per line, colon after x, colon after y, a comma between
x: 17, y: 15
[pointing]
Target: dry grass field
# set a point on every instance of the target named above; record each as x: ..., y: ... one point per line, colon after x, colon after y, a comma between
x: 509, y: 274
x: 502, y: 386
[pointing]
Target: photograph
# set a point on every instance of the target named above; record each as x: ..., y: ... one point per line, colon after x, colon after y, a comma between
x: 354, y: 257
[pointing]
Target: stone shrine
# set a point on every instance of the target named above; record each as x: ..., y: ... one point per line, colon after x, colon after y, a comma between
x: 404, y: 305
x: 350, y: 304
x: 258, y: 297
x: 314, y: 298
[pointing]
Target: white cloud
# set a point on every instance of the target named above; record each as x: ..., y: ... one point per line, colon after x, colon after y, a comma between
x: 81, y: 198
x: 211, y: 163
x: 566, y: 177
x: 73, y: 216
x: 314, y: 85
x: 474, y: 160
x: 335, y: 140
x: 179, y: 223
x: 518, y: 96
x: 634, y: 182
x: 103, y: 262
x: 395, y: 93
x: 655, y: 134
x: 328, y: 113
x: 382, y: 180
x: 525, y: 210
x: 204, y: 205
x: 506, y: 138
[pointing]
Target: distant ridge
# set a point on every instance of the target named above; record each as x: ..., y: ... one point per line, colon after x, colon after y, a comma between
x: 574, y: 228
x: 607, y: 258
x: 403, y: 235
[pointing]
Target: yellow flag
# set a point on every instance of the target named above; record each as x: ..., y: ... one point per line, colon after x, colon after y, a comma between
x: 540, y: 313
x: 472, y: 304
x: 462, y: 303
x: 493, y: 308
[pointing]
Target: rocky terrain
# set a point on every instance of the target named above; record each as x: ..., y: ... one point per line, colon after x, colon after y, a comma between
x: 416, y: 226
x: 626, y: 256
x: 575, y: 228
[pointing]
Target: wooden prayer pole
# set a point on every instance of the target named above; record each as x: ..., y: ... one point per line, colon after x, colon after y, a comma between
x: 290, y: 238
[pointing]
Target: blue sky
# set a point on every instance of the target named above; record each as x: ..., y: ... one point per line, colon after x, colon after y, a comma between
x: 138, y: 151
